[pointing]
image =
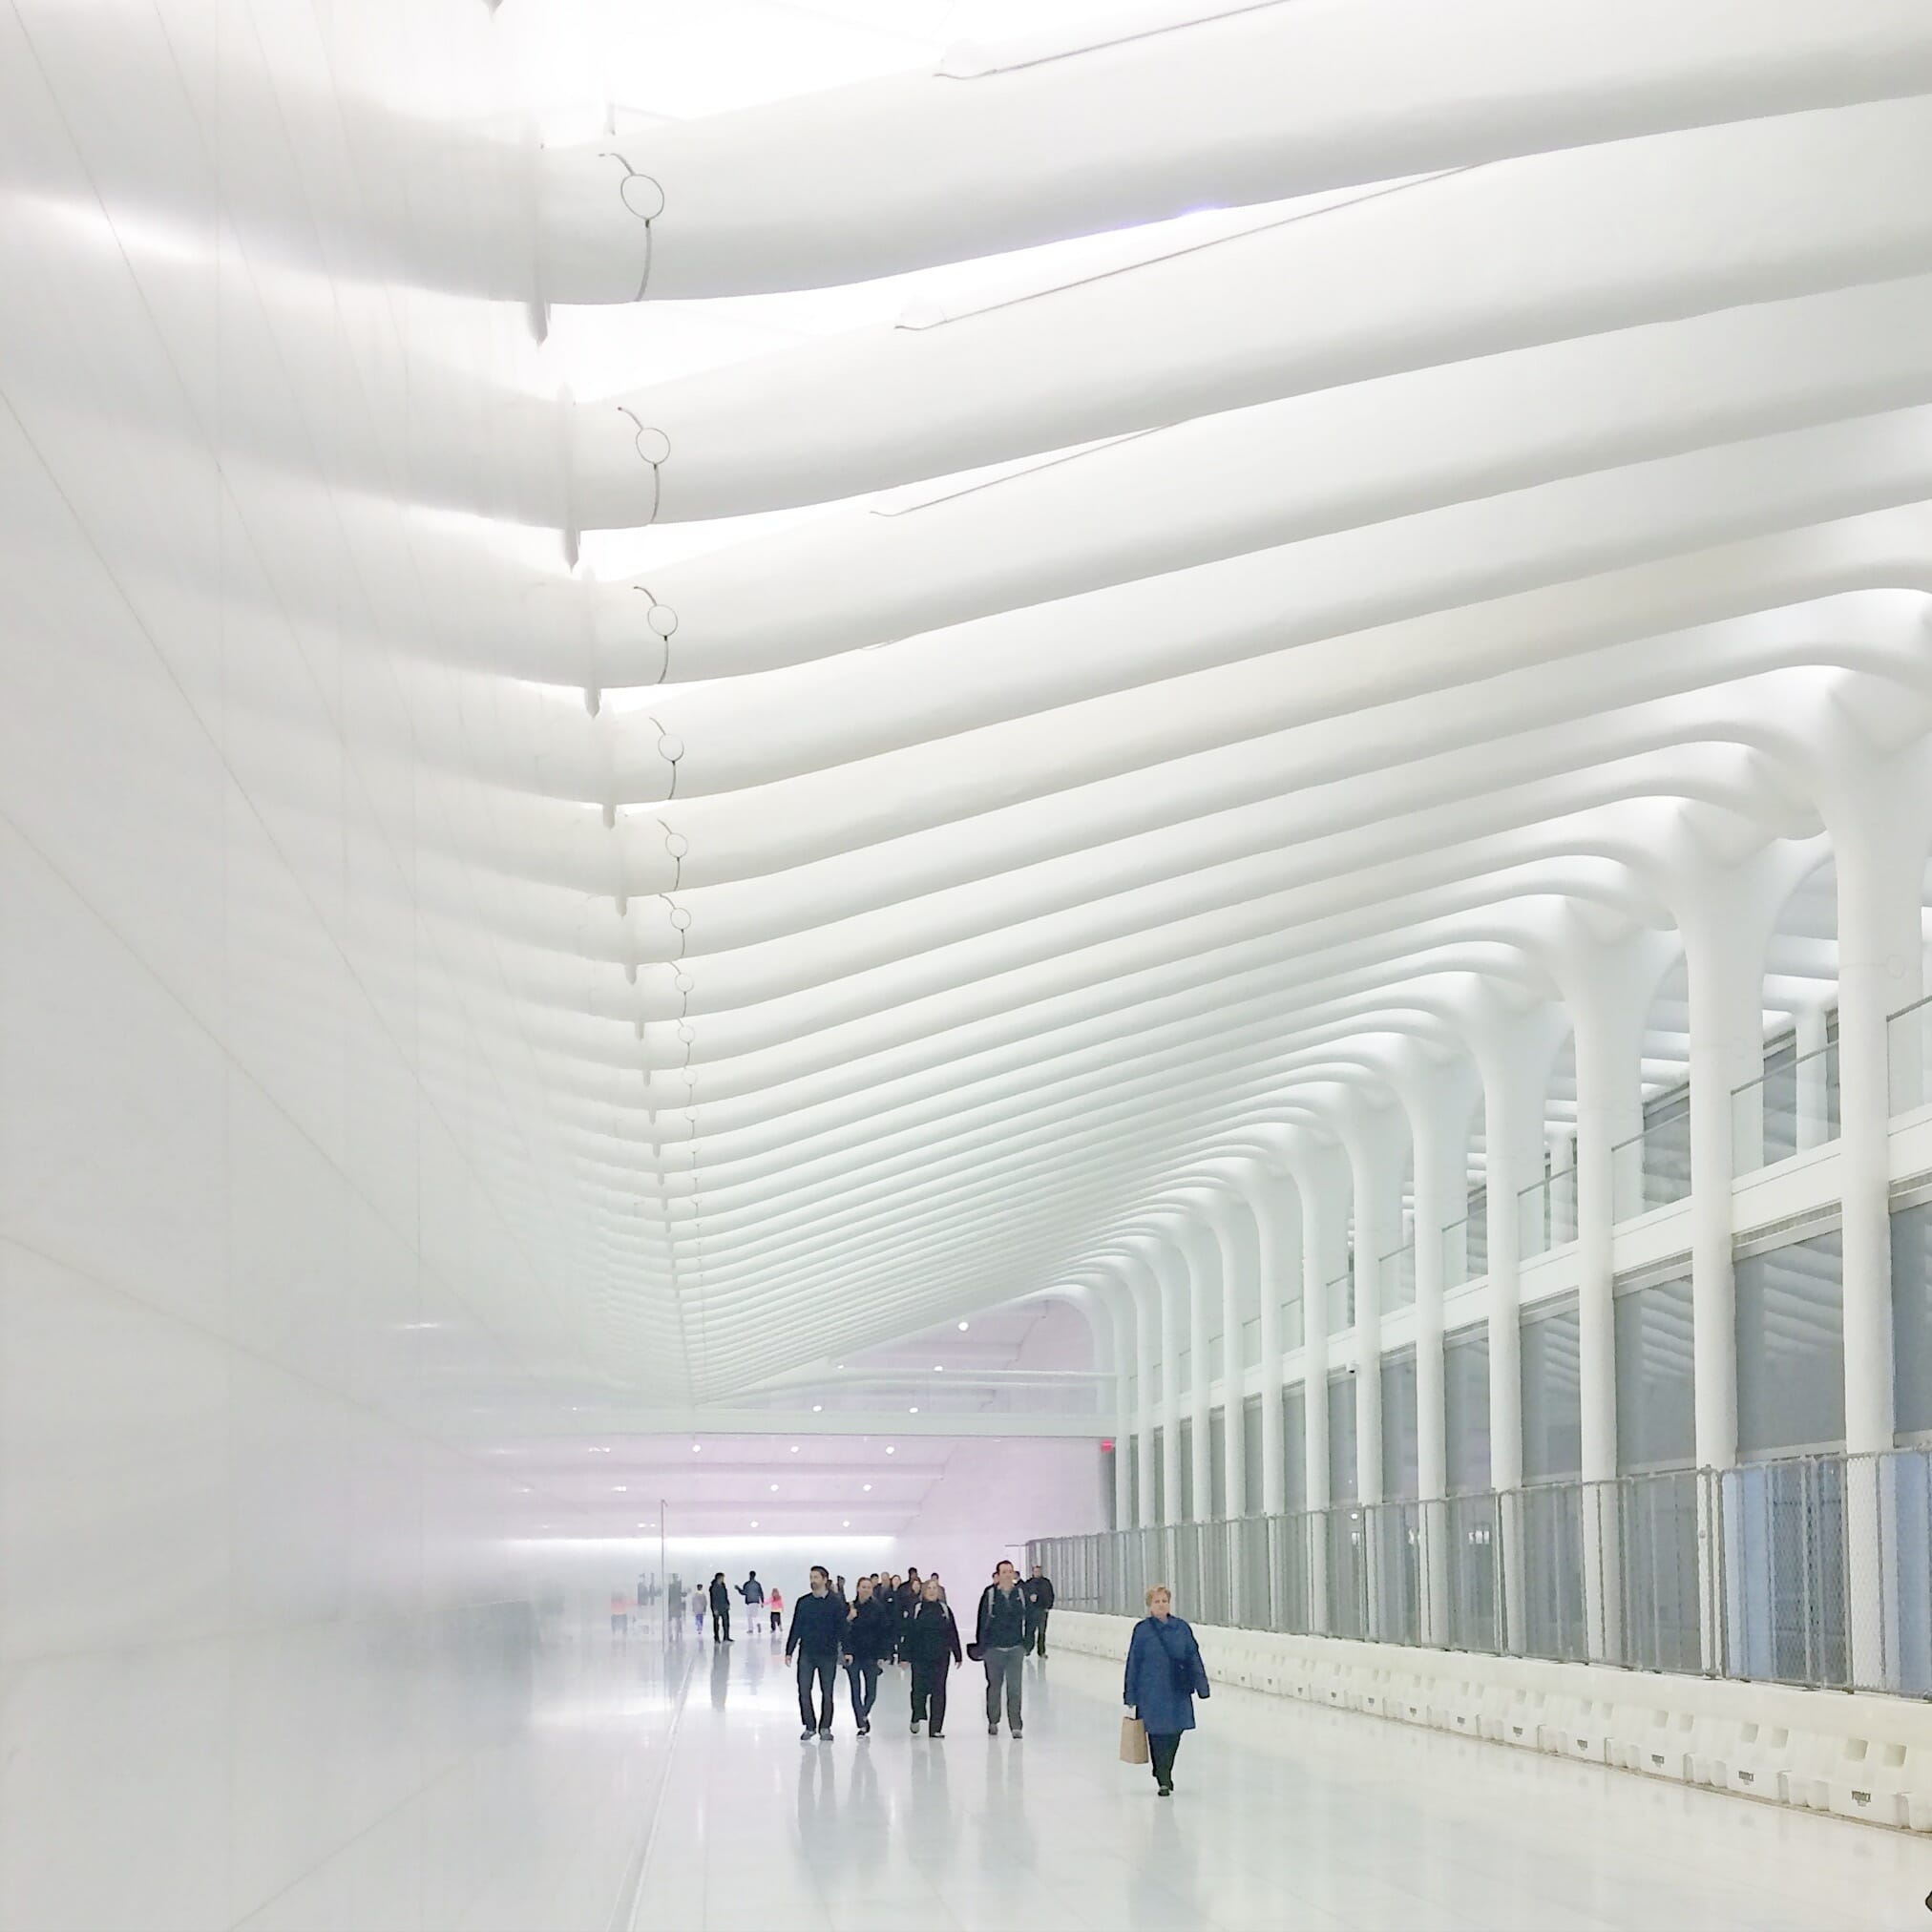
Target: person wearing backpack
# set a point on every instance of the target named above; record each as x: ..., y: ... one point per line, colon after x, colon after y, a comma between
x: 1165, y: 1675
x: 999, y: 1643
x: 931, y: 1646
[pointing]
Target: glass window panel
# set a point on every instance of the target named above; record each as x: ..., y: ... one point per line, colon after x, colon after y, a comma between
x: 1655, y: 1404
x: 1134, y: 1481
x: 1341, y: 1434
x: 1159, y: 1509
x: 1912, y: 1316
x: 1465, y: 1408
x: 1251, y: 1453
x: 1295, y: 1448
x: 1184, y: 1503
x: 1217, y: 1465
x: 1400, y: 1476
x: 1552, y: 1397
x: 1791, y: 1348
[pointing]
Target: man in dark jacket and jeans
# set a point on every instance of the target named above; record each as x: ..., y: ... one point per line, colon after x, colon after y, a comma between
x: 1000, y: 1639
x: 818, y: 1624
x: 1039, y: 1593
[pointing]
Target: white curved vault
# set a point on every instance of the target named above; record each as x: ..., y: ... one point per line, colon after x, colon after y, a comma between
x: 1292, y: 628
x: 688, y: 693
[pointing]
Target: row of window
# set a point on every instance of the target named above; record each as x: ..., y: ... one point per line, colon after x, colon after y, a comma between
x: 1791, y: 1389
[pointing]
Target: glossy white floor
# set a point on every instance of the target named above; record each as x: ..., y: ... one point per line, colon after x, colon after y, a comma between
x: 1284, y: 1816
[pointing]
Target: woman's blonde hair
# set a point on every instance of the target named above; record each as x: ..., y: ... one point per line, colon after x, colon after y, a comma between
x: 1158, y: 1591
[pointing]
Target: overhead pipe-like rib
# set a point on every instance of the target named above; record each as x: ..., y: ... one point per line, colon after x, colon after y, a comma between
x: 1525, y: 252
x: 1002, y: 149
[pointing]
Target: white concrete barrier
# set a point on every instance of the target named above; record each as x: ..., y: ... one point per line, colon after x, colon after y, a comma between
x: 1865, y: 1756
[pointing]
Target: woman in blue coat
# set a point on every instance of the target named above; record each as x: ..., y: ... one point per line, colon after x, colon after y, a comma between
x: 1165, y: 1675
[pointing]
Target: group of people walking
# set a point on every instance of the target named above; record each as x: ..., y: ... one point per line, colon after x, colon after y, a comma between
x: 889, y: 1620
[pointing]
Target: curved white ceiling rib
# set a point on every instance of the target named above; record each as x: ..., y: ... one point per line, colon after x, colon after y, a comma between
x: 1394, y: 595
x: 1501, y: 258
x: 1231, y: 107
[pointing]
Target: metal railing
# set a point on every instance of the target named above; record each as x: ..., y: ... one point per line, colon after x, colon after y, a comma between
x: 1792, y: 1105
x: 1908, y: 1053
x: 1653, y: 1168
x: 1546, y: 1213
x: 1816, y: 1570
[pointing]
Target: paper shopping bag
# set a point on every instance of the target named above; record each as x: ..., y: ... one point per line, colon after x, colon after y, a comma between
x: 1133, y: 1741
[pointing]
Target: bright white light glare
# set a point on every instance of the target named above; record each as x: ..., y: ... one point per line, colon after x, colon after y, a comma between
x: 695, y: 1448
x: 938, y: 1368
x: 912, y: 1410
x: 866, y: 1485
x: 890, y: 1449
x: 794, y: 1448
x: 817, y: 1408
x: 962, y: 1328
x: 846, y: 1523
x: 774, y: 1489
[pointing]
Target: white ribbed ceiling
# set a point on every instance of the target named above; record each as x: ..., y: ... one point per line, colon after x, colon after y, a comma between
x: 1013, y: 727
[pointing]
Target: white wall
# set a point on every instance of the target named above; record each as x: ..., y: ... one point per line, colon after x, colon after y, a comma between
x: 279, y: 1644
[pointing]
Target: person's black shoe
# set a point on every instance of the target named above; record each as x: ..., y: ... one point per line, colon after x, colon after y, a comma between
x: 993, y: 1731
x: 915, y: 1727
x: 730, y: 1640
x: 809, y: 1731
x: 1165, y: 1791
x: 1018, y: 1733
x: 824, y: 1733
x: 865, y: 1730
x: 936, y: 1733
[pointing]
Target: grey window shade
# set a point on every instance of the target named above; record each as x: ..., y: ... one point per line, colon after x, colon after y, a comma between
x: 1341, y: 1434
x: 1400, y: 1473
x: 1251, y: 1453
x: 1791, y: 1348
x: 1295, y: 1448
x: 1160, y: 1510
x: 1184, y: 1503
x: 1465, y: 1408
x: 1552, y: 1397
x: 1217, y: 1465
x: 1655, y: 1404
x: 1912, y: 1318
x: 1134, y: 1482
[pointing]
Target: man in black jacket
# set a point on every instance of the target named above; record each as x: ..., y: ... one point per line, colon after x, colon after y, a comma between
x: 1000, y: 1639
x: 817, y: 1631
x: 721, y: 1610
x: 1038, y: 1591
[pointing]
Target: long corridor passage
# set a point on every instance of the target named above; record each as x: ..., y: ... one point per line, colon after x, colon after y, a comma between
x: 1285, y: 1817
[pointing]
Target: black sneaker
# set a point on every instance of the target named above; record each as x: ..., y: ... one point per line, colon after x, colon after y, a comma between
x: 809, y: 1731
x: 824, y: 1733
x: 865, y: 1730
x: 1016, y: 1733
x: 936, y: 1733
x: 993, y: 1731
x: 1165, y: 1791
x: 915, y: 1727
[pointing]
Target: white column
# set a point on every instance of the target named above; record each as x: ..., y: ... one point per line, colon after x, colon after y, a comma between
x: 1145, y: 1292
x: 1324, y: 1223
x: 1725, y: 920
x: 1277, y: 1221
x: 1879, y: 836
x: 1437, y: 1099
x: 1234, y: 1229
x: 1609, y: 997
x: 1172, y: 1270
x: 1203, y: 1255
x: 1513, y: 1052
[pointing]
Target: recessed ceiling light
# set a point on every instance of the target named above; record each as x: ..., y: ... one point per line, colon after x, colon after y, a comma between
x: 891, y: 1450
x: 817, y: 1407
x: 754, y: 1522
x: 865, y: 1485
x: 774, y: 1489
x: 794, y: 1448
x: 619, y: 1488
x: 695, y: 1448
x: 938, y: 1368
x: 962, y: 1328
x: 912, y: 1410
x: 846, y: 1523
